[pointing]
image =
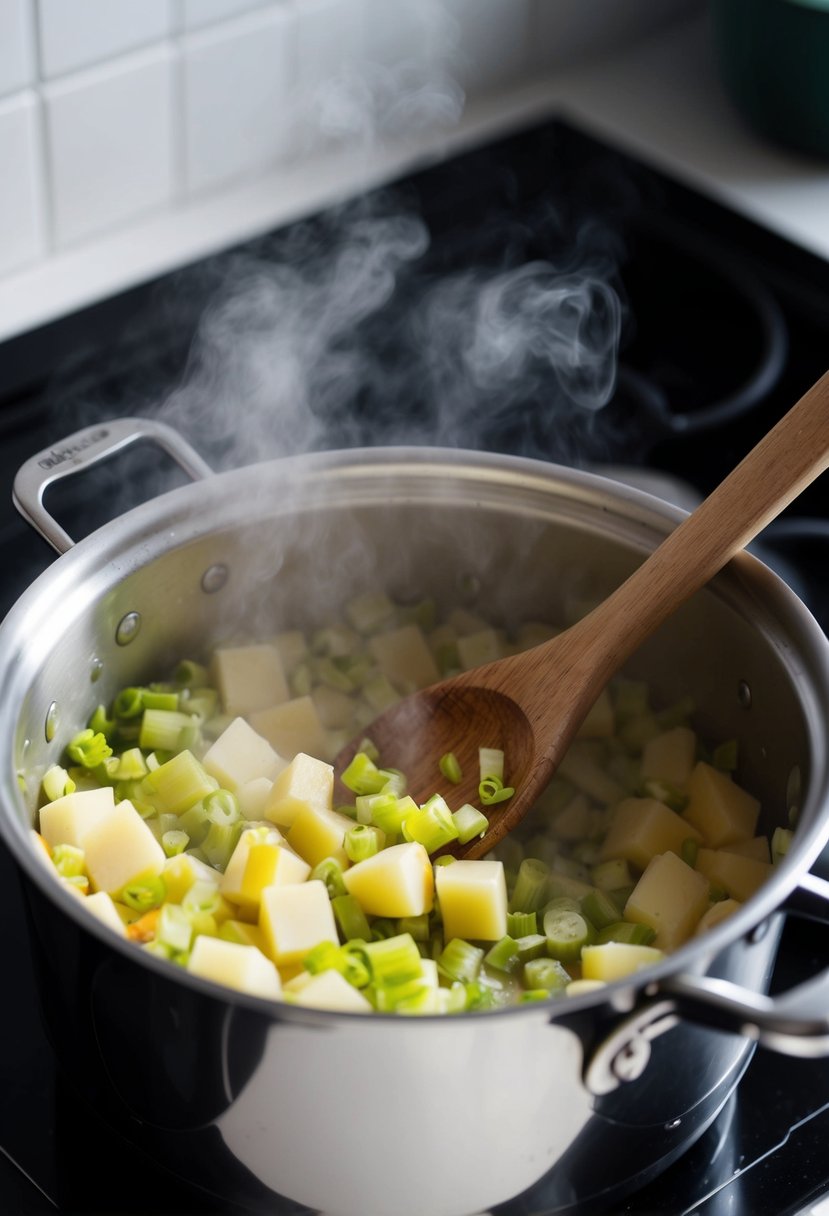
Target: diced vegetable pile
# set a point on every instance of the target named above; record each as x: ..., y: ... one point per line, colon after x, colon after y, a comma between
x: 196, y: 817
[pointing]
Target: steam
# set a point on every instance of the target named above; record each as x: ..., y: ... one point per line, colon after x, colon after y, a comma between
x: 349, y: 337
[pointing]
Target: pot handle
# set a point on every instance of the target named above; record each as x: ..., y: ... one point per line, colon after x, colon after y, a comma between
x: 83, y: 449
x: 795, y: 1022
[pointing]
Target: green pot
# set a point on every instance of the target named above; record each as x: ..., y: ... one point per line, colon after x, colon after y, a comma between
x: 774, y: 58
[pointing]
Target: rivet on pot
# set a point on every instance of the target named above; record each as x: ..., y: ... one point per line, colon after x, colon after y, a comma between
x: 50, y: 726
x: 744, y: 695
x: 629, y: 1063
x: 214, y: 578
x: 128, y: 628
x: 757, y: 933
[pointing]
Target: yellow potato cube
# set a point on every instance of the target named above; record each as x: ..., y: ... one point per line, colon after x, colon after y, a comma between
x: 316, y: 834
x: 642, y: 828
x: 306, y: 782
x: 292, y: 727
x: 717, y: 912
x: 757, y: 847
x: 242, y: 967
x: 101, y: 905
x: 240, y: 755
x: 253, y: 796
x: 243, y: 933
x: 294, y: 919
x: 670, y: 757
x: 336, y: 710
x: 232, y: 881
x: 720, y: 809
x: 270, y: 865
x: 397, y: 881
x: 739, y: 876
x: 249, y: 678
x: 330, y: 990
x: 120, y: 848
x: 473, y: 900
x: 292, y: 647
x: 65, y: 820
x: 669, y: 898
x: 485, y: 646
x: 616, y: 960
x: 404, y: 657
x: 180, y: 872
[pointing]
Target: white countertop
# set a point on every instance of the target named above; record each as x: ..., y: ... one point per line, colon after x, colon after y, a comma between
x: 661, y: 98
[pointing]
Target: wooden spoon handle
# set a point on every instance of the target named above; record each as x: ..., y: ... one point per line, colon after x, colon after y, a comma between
x: 774, y: 472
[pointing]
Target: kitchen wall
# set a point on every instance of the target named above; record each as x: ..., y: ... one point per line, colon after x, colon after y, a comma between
x: 113, y: 111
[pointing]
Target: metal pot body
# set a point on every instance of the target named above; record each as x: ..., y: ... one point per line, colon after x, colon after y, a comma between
x: 555, y: 1104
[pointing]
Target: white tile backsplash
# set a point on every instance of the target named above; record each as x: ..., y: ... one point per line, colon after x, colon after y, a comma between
x: 117, y: 114
x: 330, y: 78
x: 76, y: 33
x: 196, y: 13
x: 237, y: 98
x: 16, y: 50
x: 21, y: 195
x: 110, y: 144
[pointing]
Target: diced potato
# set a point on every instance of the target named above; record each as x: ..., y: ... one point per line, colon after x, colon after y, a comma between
x: 719, y: 808
x: 334, y: 709
x: 181, y: 872
x: 330, y: 990
x: 240, y: 755
x: 757, y: 847
x: 243, y: 933
x: 485, y: 646
x: 367, y: 612
x: 669, y: 898
x: 296, y: 918
x: 101, y: 905
x: 317, y: 833
x: 473, y: 900
x: 270, y: 865
x: 600, y: 721
x: 641, y: 828
x: 464, y: 622
x: 249, y: 678
x: 253, y: 797
x: 398, y: 881
x: 67, y: 819
x: 292, y: 727
x: 292, y: 648
x: 306, y: 782
x: 616, y: 960
x: 669, y: 757
x: 580, y: 768
x: 573, y: 822
x: 242, y: 967
x: 739, y: 876
x: 717, y: 912
x: 404, y: 657
x: 119, y: 848
x: 232, y: 881
x: 583, y: 987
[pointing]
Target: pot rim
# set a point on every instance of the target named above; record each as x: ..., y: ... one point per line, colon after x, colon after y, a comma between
x: 122, y: 546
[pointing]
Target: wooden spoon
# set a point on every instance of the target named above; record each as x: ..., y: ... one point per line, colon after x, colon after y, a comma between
x: 532, y: 704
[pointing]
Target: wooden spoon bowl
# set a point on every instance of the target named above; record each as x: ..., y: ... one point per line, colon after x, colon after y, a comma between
x: 532, y: 704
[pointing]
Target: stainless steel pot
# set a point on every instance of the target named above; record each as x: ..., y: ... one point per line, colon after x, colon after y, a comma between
x: 272, y: 1104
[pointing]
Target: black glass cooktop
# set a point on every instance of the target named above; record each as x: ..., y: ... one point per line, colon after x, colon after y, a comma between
x: 362, y: 323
